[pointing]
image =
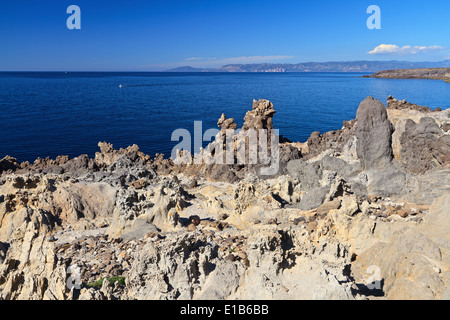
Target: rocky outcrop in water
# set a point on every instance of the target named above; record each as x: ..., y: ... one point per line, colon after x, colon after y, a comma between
x: 356, y: 213
x: 422, y: 73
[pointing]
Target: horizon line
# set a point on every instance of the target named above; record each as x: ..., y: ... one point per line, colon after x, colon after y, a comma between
x: 236, y: 64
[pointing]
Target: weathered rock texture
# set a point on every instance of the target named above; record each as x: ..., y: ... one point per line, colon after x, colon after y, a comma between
x: 356, y: 213
x: 424, y: 146
x: 373, y: 134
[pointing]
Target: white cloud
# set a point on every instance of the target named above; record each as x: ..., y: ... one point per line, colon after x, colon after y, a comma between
x: 253, y: 59
x: 405, y: 50
x: 199, y: 59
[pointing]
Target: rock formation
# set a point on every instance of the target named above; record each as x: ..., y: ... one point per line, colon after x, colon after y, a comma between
x: 420, y: 73
x: 357, y: 213
x: 393, y: 103
x: 424, y: 146
x: 373, y: 134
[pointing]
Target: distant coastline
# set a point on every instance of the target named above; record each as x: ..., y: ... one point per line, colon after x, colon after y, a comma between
x: 332, y: 66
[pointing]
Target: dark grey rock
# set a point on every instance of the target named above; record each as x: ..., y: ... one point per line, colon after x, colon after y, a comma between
x: 53, y: 169
x: 8, y: 163
x: 313, y: 198
x: 424, y: 146
x: 80, y: 165
x: 3, y: 249
x: 342, y: 167
x: 446, y: 126
x: 358, y: 188
x: 373, y: 133
x: 309, y: 174
x: 386, y: 182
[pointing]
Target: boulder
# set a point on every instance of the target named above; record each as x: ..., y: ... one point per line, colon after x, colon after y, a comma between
x: 373, y: 134
x: 309, y: 173
x: 313, y: 198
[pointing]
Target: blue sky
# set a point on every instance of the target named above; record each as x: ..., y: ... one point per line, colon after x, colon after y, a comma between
x: 156, y: 35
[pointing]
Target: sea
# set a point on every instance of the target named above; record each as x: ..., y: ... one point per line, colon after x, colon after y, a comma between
x: 46, y: 114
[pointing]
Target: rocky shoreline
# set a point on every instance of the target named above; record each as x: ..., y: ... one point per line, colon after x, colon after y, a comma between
x: 357, y: 213
x: 423, y: 73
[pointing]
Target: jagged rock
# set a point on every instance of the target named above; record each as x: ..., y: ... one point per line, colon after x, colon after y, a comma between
x: 139, y: 184
x: 278, y: 269
x: 309, y: 174
x: 167, y: 203
x: 91, y: 294
x: 171, y: 268
x: 79, y: 164
x: 159, y: 205
x: 373, y: 134
x: 245, y: 196
x: 349, y: 206
x: 335, y: 140
x: 226, y: 124
x: 8, y: 163
x: 31, y: 270
x: 108, y: 155
x: 424, y: 146
x: 393, y: 103
x: 315, y: 232
x: 260, y: 117
x: 244, y: 159
x: 287, y: 153
x: 446, y: 127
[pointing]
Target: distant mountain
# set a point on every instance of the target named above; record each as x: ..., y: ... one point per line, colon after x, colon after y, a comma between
x: 333, y: 66
x: 186, y: 69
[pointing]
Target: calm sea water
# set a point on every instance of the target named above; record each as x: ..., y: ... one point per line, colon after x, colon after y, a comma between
x: 49, y: 114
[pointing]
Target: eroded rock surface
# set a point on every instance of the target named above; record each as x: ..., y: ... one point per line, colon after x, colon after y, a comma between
x: 357, y: 213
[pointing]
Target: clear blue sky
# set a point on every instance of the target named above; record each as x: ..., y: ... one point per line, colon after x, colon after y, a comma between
x: 154, y: 35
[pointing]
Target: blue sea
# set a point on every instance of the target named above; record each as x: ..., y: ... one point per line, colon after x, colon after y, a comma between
x: 56, y: 113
